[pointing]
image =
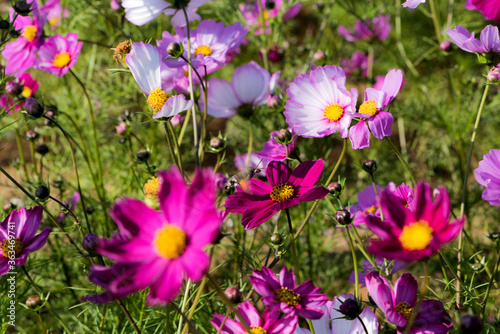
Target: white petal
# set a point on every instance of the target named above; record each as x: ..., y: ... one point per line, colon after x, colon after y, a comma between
x: 140, y: 12
x: 144, y: 63
x: 250, y: 82
x: 174, y: 105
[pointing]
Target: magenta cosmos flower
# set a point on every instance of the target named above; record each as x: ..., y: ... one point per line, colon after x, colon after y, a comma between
x: 157, y: 249
x: 489, y: 8
x: 17, y: 91
x: 413, y: 3
x: 58, y: 54
x: 269, y: 323
x: 249, y: 89
x: 489, y: 40
x: 22, y: 225
x: 358, y: 63
x: 379, y: 27
x: 372, y: 112
x: 140, y: 12
x: 399, y: 305
x: 286, y: 188
x: 488, y: 175
x: 411, y: 235
x: 54, y: 13
x: 144, y: 63
x: 319, y: 104
x: 282, y: 294
x: 274, y: 150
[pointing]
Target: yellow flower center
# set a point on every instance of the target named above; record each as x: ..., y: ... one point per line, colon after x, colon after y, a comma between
x: 152, y: 187
x: 371, y: 209
x: 404, y: 309
x: 368, y: 107
x: 9, y: 246
x: 170, y: 241
x: 257, y: 330
x: 334, y: 112
x: 26, y: 92
x: 282, y: 192
x: 157, y: 99
x: 266, y: 15
x: 30, y: 32
x: 416, y: 236
x: 53, y: 21
x: 61, y: 60
x: 204, y: 50
x: 286, y: 295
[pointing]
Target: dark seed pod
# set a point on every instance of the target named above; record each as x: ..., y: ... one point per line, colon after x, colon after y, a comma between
x: 350, y: 308
x: 22, y: 8
x: 233, y: 293
x: 369, y: 166
x: 277, y: 239
x: 33, y: 108
x: 343, y: 217
x: 143, y: 155
x: 175, y: 50
x: 42, y: 149
x: 42, y: 192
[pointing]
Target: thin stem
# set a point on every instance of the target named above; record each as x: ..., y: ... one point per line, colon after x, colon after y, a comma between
x: 175, y: 144
x: 363, y: 324
x: 400, y: 157
x: 21, y: 155
x: 171, y: 145
x: 104, y: 312
x: 183, y: 306
x: 355, y: 261
x: 183, y: 315
x: 33, y: 160
x: 361, y: 247
x: 485, y: 299
x: 41, y: 322
x: 292, y: 242
x: 184, y: 126
x: 130, y: 319
x: 250, y: 145
x: 400, y: 45
x: 263, y: 49
x: 436, y: 20
x: 459, y: 280
x: 423, y: 288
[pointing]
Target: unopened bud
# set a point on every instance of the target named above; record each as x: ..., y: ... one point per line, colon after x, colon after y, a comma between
x: 334, y: 188
x: 276, y: 239
x: 270, y: 4
x: 272, y: 100
x: 32, y: 135
x: 343, y: 217
x: 284, y: 135
x: 90, y: 243
x: 494, y: 74
x: 33, y: 301
x: 176, y: 120
x: 470, y: 324
x: 42, y: 149
x: 369, y: 166
x: 216, y: 143
x: 90, y: 210
x: 122, y: 140
x: 4, y: 24
x: 116, y: 4
x: 143, y: 155
x: 319, y: 56
x: 22, y: 8
x: 274, y: 54
x: 233, y: 294
x: 13, y: 88
x: 121, y: 128
x: 33, y: 108
x: 445, y: 46
x: 350, y: 308
x: 175, y: 50
x: 42, y: 192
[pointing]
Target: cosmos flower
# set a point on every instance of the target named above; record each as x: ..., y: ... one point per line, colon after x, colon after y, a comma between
x: 53, y: 11
x: 379, y: 27
x: 372, y: 112
x: 157, y: 249
x: 241, y: 162
x: 488, y: 175
x: 249, y: 89
x: 21, y: 224
x: 58, y: 54
x: 144, y: 63
x: 269, y: 323
x: 319, y: 104
x: 489, y: 39
x: 399, y: 305
x: 413, y: 234
x: 71, y: 204
x: 140, y: 12
x: 489, y: 8
x: 413, y: 3
x: 274, y: 150
x: 282, y: 294
x: 17, y: 91
x: 358, y: 63
x: 286, y: 188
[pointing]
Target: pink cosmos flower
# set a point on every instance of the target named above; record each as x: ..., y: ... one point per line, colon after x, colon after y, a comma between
x: 53, y: 11
x: 144, y: 63
x: 372, y: 112
x: 157, y: 249
x: 22, y: 225
x: 273, y: 150
x: 140, y: 12
x: 241, y: 162
x: 379, y: 27
x: 399, y: 305
x: 319, y: 104
x: 249, y: 89
x: 488, y: 175
x: 27, y: 87
x: 489, y: 40
x: 411, y: 235
x: 413, y: 3
x: 358, y: 63
x: 286, y: 188
x: 269, y: 323
x: 303, y: 300
x: 251, y: 13
x: 58, y: 54
x: 21, y: 53
x: 489, y: 8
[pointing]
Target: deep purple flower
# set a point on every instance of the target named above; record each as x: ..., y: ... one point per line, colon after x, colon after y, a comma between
x: 282, y: 294
x: 274, y: 150
x: 268, y: 324
x: 399, y: 305
x: 72, y: 204
x: 379, y: 27
x: 488, y: 175
x: 286, y: 188
x: 18, y: 239
x: 372, y: 112
x: 489, y: 40
x: 489, y: 8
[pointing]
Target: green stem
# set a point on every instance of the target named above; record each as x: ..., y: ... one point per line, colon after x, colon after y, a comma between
x: 33, y: 161
x: 173, y: 139
x: 292, y: 243
x: 399, y: 44
x: 183, y: 306
x: 129, y: 317
x: 263, y: 49
x: 459, y: 280
x: 21, y: 155
x: 403, y: 161
x: 485, y: 299
x: 355, y: 261
x: 250, y: 145
x: 361, y: 247
x: 171, y: 146
x: 103, y: 318
x: 436, y: 20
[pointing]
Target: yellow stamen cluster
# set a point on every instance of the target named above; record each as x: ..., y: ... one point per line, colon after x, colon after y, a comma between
x: 204, y: 50
x: 334, y: 112
x: 416, y: 236
x: 371, y: 209
x: 257, y: 330
x: 61, y: 60
x: 266, y: 15
x: 26, y: 92
x: 30, y: 33
x: 404, y: 309
x: 170, y: 241
x: 16, y: 247
x: 152, y: 187
x: 121, y: 50
x: 369, y: 107
x: 286, y: 295
x: 282, y: 192
x: 53, y: 21
x: 157, y: 99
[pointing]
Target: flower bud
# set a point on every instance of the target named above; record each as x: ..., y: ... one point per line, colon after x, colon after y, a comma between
x: 33, y: 108
x: 116, y: 4
x: 470, y: 324
x: 276, y: 239
x: 233, y: 293
x: 50, y: 116
x: 121, y: 128
x: 90, y: 210
x: 343, y: 217
x: 284, y: 135
x: 42, y: 192
x: 42, y: 149
x: 275, y: 54
x: 122, y: 140
x: 13, y: 88
x: 494, y: 74
x: 175, y: 50
x: 369, y: 166
x: 350, y: 308
x: 33, y: 301
x: 176, y: 120
x: 90, y: 243
x: 272, y: 100
x: 270, y: 4
x: 334, y: 188
x: 217, y: 143
x: 4, y: 24
x: 32, y: 135
x: 22, y: 7
x: 445, y: 46
x: 143, y: 155
x: 319, y: 56
x: 14, y: 33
